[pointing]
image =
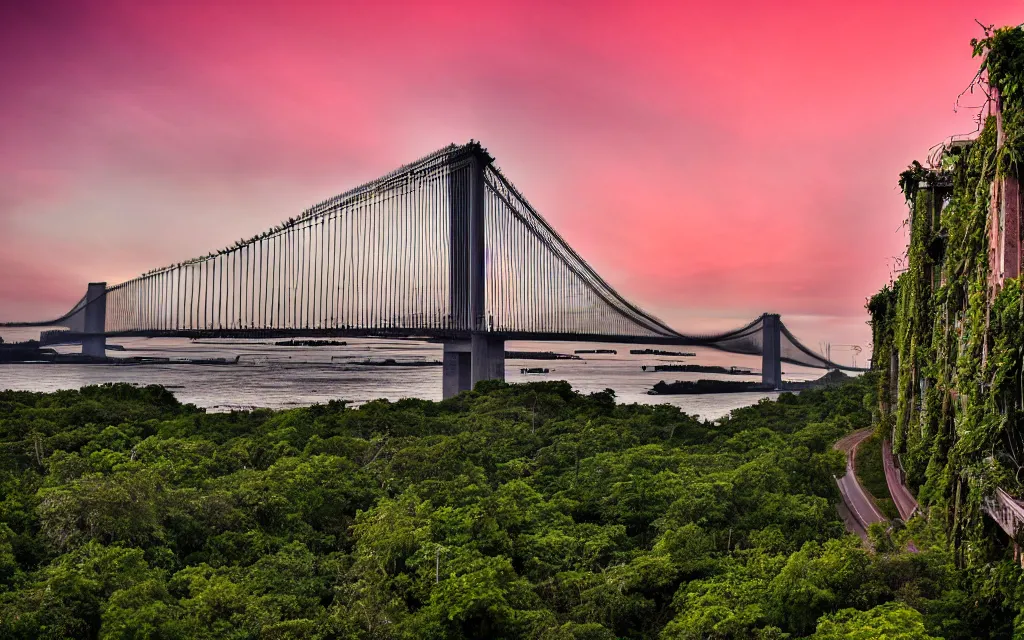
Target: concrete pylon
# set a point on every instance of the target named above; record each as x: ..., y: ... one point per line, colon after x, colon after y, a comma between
x: 771, y: 350
x: 482, y: 357
x: 467, y: 362
x: 457, y: 369
x: 95, y: 320
x: 488, y: 359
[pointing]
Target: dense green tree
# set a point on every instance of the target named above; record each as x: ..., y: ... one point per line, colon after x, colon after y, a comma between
x: 513, y: 511
x: 891, y: 621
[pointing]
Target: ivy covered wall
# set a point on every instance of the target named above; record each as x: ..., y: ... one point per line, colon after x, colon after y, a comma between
x: 948, y: 336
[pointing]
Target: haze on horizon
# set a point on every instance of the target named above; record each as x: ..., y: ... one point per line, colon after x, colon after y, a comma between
x: 710, y: 162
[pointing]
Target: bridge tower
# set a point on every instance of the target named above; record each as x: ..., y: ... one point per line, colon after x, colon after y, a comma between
x: 481, y: 357
x: 95, y: 320
x: 771, y: 350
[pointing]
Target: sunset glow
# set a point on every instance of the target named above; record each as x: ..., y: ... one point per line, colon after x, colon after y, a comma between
x: 711, y: 160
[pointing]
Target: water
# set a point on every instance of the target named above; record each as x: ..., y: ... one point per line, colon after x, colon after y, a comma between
x: 280, y: 377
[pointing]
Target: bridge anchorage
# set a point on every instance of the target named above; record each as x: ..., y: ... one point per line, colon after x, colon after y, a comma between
x: 445, y: 248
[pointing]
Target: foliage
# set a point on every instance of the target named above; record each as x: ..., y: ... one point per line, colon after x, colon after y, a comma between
x: 510, y: 511
x: 1002, y: 54
x: 911, y: 179
x: 933, y: 323
x: 892, y: 621
x: 954, y: 402
x: 871, y: 474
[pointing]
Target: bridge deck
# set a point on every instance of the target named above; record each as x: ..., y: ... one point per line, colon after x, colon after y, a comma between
x: 429, y: 335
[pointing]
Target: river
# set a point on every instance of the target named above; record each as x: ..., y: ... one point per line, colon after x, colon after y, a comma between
x: 280, y: 377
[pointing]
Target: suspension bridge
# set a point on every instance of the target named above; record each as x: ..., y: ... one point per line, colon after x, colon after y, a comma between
x: 445, y: 248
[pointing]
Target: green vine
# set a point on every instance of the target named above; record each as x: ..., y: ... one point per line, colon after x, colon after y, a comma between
x: 954, y: 401
x: 949, y: 339
x: 1002, y: 53
x: 911, y: 179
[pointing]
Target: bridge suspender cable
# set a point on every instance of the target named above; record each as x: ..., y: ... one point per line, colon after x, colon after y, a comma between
x: 395, y: 256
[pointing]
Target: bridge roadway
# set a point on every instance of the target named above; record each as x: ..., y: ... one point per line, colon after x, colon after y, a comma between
x: 427, y: 335
x: 1008, y: 513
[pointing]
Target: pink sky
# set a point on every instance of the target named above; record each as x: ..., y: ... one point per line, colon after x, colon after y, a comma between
x: 711, y: 160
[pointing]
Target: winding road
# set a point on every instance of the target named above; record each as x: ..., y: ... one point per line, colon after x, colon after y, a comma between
x: 857, y: 510
x: 901, y: 496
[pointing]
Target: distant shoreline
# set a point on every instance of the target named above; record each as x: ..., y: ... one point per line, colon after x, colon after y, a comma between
x: 704, y: 386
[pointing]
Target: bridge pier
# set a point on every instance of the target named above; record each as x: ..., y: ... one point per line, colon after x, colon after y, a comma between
x: 467, y: 362
x: 488, y: 358
x: 457, y: 368
x: 771, y: 351
x: 481, y: 357
x: 95, y: 321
